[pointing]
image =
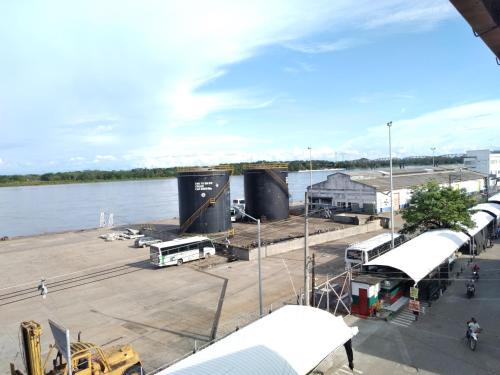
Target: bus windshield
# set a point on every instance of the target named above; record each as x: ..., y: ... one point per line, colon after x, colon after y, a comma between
x: 354, y: 254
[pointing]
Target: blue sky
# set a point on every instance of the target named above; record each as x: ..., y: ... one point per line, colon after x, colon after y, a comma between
x: 126, y: 84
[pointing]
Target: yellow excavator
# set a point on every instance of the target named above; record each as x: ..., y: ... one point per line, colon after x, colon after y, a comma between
x: 86, y: 358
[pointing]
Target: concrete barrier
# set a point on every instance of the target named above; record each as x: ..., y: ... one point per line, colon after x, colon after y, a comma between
x: 298, y: 243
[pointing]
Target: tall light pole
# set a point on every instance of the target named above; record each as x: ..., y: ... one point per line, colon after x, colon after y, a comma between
x: 306, y: 251
x: 389, y: 125
x: 433, y: 149
x: 310, y: 169
x: 261, y: 304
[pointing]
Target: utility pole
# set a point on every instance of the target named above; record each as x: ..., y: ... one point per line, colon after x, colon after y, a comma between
x: 306, y: 251
x: 310, y: 169
x: 261, y: 302
x: 433, y: 149
x: 389, y: 125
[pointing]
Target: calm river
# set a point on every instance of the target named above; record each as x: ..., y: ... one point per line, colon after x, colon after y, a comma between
x: 29, y: 210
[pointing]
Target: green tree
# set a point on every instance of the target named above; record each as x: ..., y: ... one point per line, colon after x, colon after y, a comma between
x: 433, y: 207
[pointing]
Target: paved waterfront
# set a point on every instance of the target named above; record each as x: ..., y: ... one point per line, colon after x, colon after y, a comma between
x: 108, y: 291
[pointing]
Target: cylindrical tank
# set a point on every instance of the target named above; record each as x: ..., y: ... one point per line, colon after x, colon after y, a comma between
x: 204, y: 200
x: 266, y: 191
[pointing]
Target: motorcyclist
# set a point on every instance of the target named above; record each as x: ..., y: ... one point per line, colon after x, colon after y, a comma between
x: 472, y: 327
x: 470, y: 288
x: 476, y: 268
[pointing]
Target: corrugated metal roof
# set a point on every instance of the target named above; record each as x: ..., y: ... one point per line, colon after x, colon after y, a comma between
x: 419, y: 256
x: 484, y: 18
x: 482, y: 219
x: 291, y: 340
x: 495, y: 198
x: 417, y: 179
x: 490, y: 207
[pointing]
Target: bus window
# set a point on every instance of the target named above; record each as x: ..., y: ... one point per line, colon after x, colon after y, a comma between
x: 372, y: 254
x: 173, y: 250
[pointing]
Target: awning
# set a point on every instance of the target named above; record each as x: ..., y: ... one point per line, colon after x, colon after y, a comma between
x: 482, y: 219
x: 484, y: 18
x: 490, y: 207
x: 419, y: 256
x: 291, y: 340
x: 494, y: 199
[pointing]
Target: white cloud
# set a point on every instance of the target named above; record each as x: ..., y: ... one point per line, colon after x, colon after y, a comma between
x: 100, y: 158
x: 113, y: 71
x: 451, y: 130
x: 314, y: 48
x: 300, y: 67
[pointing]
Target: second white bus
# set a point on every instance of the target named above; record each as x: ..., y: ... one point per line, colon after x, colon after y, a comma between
x: 362, y: 252
x: 180, y: 250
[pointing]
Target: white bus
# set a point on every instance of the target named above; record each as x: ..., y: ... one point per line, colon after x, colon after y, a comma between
x: 180, y: 250
x: 362, y: 252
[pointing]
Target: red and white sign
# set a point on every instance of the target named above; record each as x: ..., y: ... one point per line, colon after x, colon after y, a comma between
x: 414, y: 305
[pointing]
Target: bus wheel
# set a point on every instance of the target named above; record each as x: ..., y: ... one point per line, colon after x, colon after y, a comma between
x: 179, y: 262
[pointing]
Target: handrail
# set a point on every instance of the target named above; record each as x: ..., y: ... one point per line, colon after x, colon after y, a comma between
x: 209, y: 202
x: 282, y: 184
x: 221, y: 167
x: 266, y: 166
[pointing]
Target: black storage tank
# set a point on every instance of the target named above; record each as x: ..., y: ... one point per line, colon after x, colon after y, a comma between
x: 266, y: 191
x: 204, y: 200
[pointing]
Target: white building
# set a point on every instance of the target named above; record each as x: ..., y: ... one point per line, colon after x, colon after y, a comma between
x: 370, y: 193
x: 483, y: 161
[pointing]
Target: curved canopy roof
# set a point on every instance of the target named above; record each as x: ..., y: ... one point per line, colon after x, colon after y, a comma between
x: 481, y: 219
x: 291, y: 340
x: 419, y: 256
x: 494, y: 198
x: 490, y: 207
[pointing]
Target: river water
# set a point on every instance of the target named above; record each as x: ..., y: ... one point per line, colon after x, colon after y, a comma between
x: 29, y: 210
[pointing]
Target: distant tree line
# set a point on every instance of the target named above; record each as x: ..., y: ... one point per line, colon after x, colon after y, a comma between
x: 238, y: 168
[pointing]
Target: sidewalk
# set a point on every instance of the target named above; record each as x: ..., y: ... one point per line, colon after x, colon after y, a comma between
x: 435, y: 343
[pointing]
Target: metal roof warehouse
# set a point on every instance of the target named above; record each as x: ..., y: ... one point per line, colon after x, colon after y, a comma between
x: 369, y: 192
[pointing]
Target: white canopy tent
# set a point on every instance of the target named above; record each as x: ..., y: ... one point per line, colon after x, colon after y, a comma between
x: 291, y: 340
x: 494, y: 198
x: 419, y: 256
x: 482, y: 219
x: 491, y: 207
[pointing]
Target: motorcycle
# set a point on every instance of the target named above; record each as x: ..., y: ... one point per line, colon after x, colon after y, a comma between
x: 472, y: 339
x: 475, y: 275
x: 471, y: 290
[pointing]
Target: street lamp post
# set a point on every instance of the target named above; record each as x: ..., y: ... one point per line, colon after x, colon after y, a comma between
x: 306, y: 251
x: 261, y: 305
x: 310, y: 169
x: 389, y: 125
x: 433, y: 149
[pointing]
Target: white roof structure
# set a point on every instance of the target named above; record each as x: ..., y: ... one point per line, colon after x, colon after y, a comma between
x: 491, y: 207
x: 481, y: 219
x: 419, y: 256
x: 373, y: 242
x: 494, y: 198
x: 291, y: 340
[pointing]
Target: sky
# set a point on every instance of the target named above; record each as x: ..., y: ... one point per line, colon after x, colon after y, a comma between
x: 133, y: 84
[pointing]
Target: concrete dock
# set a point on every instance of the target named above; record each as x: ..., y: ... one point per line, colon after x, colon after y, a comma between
x: 110, y: 292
